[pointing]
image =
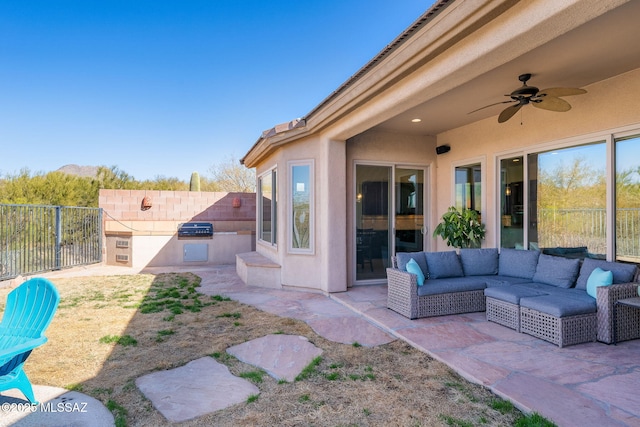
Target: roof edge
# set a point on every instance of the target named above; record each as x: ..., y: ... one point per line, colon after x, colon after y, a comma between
x: 423, y: 20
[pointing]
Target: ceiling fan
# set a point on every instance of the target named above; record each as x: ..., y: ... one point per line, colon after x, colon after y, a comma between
x: 547, y: 99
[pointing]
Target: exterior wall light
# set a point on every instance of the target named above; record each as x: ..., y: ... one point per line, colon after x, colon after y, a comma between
x: 146, y: 203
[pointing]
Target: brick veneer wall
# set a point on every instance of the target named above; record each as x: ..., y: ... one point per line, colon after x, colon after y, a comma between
x: 152, y: 233
x: 122, y: 210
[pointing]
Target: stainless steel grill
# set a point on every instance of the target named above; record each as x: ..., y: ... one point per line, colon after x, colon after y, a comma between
x: 195, y: 229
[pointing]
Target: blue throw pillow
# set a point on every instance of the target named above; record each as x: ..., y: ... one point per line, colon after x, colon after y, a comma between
x: 622, y: 273
x: 413, y: 267
x: 598, y: 277
x: 402, y: 258
x: 444, y: 264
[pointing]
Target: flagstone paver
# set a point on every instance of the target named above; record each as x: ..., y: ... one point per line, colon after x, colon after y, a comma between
x: 281, y: 356
x: 195, y: 389
x: 350, y: 330
x: 590, y: 384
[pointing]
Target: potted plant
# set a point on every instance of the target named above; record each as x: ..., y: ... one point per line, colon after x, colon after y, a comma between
x: 460, y: 229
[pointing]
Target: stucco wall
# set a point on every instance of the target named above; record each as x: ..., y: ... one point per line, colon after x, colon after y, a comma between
x: 302, y: 270
x: 608, y: 107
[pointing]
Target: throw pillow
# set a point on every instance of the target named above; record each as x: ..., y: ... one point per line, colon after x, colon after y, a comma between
x: 402, y: 258
x: 413, y: 267
x: 622, y: 273
x: 556, y: 271
x: 598, y: 277
x: 444, y: 264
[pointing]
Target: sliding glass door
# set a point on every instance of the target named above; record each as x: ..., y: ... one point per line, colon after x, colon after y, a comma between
x: 389, y: 217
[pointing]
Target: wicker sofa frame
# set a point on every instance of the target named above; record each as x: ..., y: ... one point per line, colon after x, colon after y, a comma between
x: 403, y: 298
x: 570, y: 330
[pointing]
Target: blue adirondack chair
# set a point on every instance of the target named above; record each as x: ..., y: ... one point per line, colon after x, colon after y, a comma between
x: 29, y: 310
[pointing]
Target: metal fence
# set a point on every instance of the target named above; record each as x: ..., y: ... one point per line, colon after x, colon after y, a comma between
x: 34, y: 238
x: 587, y: 227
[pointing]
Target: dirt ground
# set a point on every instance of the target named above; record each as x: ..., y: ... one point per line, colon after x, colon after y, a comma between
x: 108, y: 331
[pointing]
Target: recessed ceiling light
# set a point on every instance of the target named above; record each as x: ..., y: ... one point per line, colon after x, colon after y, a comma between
x: 416, y: 120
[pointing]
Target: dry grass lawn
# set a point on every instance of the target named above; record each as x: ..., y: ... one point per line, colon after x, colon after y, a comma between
x: 108, y: 331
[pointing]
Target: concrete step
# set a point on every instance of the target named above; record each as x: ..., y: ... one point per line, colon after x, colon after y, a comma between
x: 256, y: 269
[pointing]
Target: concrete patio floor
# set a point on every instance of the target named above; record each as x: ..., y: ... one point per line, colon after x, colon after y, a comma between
x: 591, y: 384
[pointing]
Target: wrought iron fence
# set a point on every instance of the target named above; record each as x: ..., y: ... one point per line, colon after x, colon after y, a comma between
x: 587, y: 227
x: 34, y: 238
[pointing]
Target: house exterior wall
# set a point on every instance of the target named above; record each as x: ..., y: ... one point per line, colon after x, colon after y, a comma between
x: 322, y: 269
x: 446, y: 61
x: 534, y: 129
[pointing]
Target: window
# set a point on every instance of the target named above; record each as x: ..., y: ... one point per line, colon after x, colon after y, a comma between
x: 580, y: 201
x: 567, y: 201
x: 267, y: 205
x: 301, y: 212
x: 512, y: 202
x: 627, y: 176
x: 469, y: 187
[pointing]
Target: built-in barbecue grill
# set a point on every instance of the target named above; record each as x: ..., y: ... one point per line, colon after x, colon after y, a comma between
x: 195, y: 229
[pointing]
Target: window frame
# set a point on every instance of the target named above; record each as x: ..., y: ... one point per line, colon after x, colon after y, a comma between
x: 480, y: 160
x: 272, y: 174
x: 609, y: 137
x: 310, y: 163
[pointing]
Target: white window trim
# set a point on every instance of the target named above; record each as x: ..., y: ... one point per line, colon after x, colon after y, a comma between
x: 312, y: 225
x: 274, y: 208
x: 482, y: 160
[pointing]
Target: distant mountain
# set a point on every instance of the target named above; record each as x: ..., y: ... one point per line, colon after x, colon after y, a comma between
x: 83, y: 171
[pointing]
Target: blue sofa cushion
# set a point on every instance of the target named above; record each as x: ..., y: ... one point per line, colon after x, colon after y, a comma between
x: 598, y: 277
x: 444, y: 264
x: 556, y: 271
x: 479, y: 262
x: 622, y: 273
x: 504, y: 280
x: 559, y: 306
x: 511, y: 294
x: 450, y: 284
x: 413, y: 267
x: 518, y: 263
x: 402, y: 258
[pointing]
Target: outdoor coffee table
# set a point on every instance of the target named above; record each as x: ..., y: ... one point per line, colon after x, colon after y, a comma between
x: 627, y: 302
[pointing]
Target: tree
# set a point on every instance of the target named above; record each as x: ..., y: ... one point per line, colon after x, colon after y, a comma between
x: 231, y: 176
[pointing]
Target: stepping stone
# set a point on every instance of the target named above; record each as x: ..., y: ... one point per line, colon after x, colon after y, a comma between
x: 281, y: 356
x: 348, y: 330
x: 58, y: 407
x: 195, y: 389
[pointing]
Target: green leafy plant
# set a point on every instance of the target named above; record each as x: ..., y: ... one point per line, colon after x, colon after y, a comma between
x: 460, y: 229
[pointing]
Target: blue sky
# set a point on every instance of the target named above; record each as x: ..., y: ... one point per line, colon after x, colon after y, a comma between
x: 164, y: 88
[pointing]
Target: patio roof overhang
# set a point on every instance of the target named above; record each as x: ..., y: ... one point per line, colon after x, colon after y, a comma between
x: 460, y: 56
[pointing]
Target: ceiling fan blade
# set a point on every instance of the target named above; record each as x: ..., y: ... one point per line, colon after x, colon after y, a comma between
x: 552, y: 103
x: 561, y: 91
x: 491, y: 105
x: 508, y: 112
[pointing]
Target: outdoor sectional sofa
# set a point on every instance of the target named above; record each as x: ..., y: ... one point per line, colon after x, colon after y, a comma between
x: 538, y: 294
